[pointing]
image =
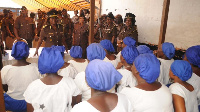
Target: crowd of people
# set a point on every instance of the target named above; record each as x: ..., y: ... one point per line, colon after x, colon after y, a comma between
x: 113, y: 74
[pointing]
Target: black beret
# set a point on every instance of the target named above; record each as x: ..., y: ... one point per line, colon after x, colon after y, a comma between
x: 52, y: 13
x: 129, y: 15
x: 110, y: 15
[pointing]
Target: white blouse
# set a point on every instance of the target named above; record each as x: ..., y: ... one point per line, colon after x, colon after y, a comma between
x: 51, y: 98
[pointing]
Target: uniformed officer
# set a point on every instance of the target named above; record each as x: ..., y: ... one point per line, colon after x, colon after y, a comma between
x: 51, y: 33
x: 119, y: 23
x: 24, y: 27
x: 110, y: 30
x: 3, y: 25
x: 10, y: 24
x: 130, y: 29
x: 68, y: 28
x: 40, y: 23
x: 81, y: 34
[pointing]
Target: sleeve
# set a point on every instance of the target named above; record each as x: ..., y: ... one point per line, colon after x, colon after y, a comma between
x: 114, y: 33
x: 29, y: 93
x: 17, y: 23
x: 176, y: 89
x: 72, y: 71
x: 76, y: 90
x: 42, y: 34
x: 4, y: 72
x: 79, y: 81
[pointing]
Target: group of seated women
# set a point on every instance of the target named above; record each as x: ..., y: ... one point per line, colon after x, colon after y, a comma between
x: 134, y: 80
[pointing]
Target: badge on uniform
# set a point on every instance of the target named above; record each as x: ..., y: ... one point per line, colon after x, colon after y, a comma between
x: 50, y: 39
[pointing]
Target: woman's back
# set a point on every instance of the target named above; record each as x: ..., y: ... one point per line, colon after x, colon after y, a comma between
x: 109, y: 103
x: 55, y: 98
x: 79, y: 66
x: 189, y: 96
x: 18, y: 78
x: 159, y: 100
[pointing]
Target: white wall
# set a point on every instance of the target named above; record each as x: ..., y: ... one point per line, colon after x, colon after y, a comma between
x: 183, y: 22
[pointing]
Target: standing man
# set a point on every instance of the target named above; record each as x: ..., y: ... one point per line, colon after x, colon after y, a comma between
x: 3, y: 25
x: 81, y: 34
x: 52, y: 33
x: 68, y: 28
x: 9, y: 29
x: 24, y: 27
x: 40, y: 23
x: 129, y: 30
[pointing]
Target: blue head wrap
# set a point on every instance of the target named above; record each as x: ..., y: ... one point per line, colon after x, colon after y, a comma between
x: 59, y: 48
x: 50, y: 60
x: 129, y: 41
x: 101, y: 75
x: 193, y: 55
x: 182, y: 69
x: 142, y: 49
x: 95, y: 51
x: 129, y: 53
x: 76, y: 52
x: 20, y: 50
x: 106, y: 44
x: 168, y: 49
x: 148, y: 67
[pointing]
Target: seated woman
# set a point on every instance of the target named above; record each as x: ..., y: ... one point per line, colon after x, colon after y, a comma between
x: 184, y: 96
x: 192, y: 55
x: 149, y: 95
x: 17, y: 77
x: 165, y: 55
x: 67, y: 70
x: 128, y: 55
x: 77, y: 61
x: 94, y: 51
x: 53, y: 93
x: 143, y: 49
x: 102, y: 76
x: 127, y: 41
x: 108, y: 47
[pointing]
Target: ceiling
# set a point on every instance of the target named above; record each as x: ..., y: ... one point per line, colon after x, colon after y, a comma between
x: 45, y: 5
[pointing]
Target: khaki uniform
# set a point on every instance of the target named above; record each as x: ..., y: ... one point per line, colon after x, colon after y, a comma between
x: 109, y: 32
x: 26, y: 28
x: 68, y: 28
x: 81, y: 34
x: 3, y: 28
x: 52, y: 37
x: 10, y: 24
x: 40, y: 23
x: 125, y: 32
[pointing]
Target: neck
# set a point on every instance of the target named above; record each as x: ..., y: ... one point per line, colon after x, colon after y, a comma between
x: 21, y: 62
x: 95, y: 93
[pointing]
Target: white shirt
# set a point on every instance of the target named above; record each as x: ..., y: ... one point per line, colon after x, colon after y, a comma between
x: 128, y: 80
x: 82, y: 85
x: 164, y: 70
x: 118, y: 57
x: 195, y: 82
x: 123, y: 105
x: 114, y: 62
x: 159, y: 100
x: 68, y: 71
x: 78, y: 65
x: 190, y: 98
x: 18, y: 78
x: 51, y: 98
